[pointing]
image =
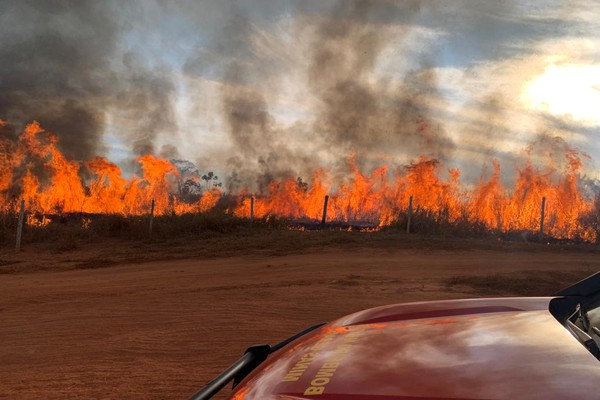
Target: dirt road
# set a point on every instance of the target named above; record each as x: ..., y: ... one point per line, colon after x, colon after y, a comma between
x: 160, y: 330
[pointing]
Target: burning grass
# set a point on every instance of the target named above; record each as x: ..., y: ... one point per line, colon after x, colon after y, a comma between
x: 74, y: 200
x: 66, y: 232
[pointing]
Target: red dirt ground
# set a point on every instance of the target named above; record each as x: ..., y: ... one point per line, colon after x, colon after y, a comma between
x: 160, y: 330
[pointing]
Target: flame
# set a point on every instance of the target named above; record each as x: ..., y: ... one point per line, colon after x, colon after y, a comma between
x: 370, y: 199
x: 33, y: 169
x: 33, y: 220
x: 207, y: 202
x: 374, y: 199
x: 108, y: 187
x: 50, y: 184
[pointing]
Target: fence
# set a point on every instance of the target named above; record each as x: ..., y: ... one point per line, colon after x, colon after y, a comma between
x: 408, y: 215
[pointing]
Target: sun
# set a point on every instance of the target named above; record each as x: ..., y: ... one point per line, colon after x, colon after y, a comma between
x: 566, y: 90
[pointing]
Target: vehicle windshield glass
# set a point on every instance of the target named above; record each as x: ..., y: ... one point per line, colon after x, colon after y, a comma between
x: 581, y: 316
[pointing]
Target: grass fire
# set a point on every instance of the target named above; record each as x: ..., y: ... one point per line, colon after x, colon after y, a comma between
x: 35, y: 170
x: 180, y: 179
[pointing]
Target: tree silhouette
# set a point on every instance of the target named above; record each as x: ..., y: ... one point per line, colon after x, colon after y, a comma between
x: 303, y: 185
x: 209, y: 178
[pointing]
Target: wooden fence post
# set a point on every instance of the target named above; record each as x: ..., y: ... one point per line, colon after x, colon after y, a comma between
x: 20, y: 225
x: 325, y: 209
x: 542, y: 218
x: 151, y: 219
x: 409, y: 214
x: 251, y: 208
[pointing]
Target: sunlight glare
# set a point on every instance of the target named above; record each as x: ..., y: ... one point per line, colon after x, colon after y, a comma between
x: 568, y: 90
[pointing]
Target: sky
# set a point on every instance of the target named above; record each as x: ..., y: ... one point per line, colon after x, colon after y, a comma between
x: 258, y: 90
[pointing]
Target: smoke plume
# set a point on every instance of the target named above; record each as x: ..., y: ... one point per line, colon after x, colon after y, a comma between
x: 353, y: 109
x: 63, y: 64
x: 302, y: 84
x: 358, y: 112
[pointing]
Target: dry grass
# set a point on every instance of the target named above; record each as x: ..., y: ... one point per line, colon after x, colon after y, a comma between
x: 439, y: 224
x: 99, y: 252
x: 66, y: 232
x: 78, y: 242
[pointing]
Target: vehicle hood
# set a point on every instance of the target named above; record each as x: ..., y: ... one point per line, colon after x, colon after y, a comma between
x: 468, y: 349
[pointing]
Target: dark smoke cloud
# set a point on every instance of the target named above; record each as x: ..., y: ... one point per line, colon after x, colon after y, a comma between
x: 357, y: 113
x: 169, y: 151
x: 261, y: 151
x: 63, y: 65
x: 251, y: 126
x: 69, y: 64
x: 358, y: 108
x: 354, y: 114
x: 260, y: 144
x: 54, y: 58
x: 145, y: 98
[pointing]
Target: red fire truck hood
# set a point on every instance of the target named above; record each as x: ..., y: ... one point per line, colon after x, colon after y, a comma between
x: 468, y: 349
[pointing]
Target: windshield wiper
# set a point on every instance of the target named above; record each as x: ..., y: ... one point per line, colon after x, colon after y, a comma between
x: 585, y: 339
x: 582, y: 317
x: 237, y: 371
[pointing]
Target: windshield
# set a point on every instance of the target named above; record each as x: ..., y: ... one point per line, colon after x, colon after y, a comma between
x: 586, y: 325
x: 579, y: 312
